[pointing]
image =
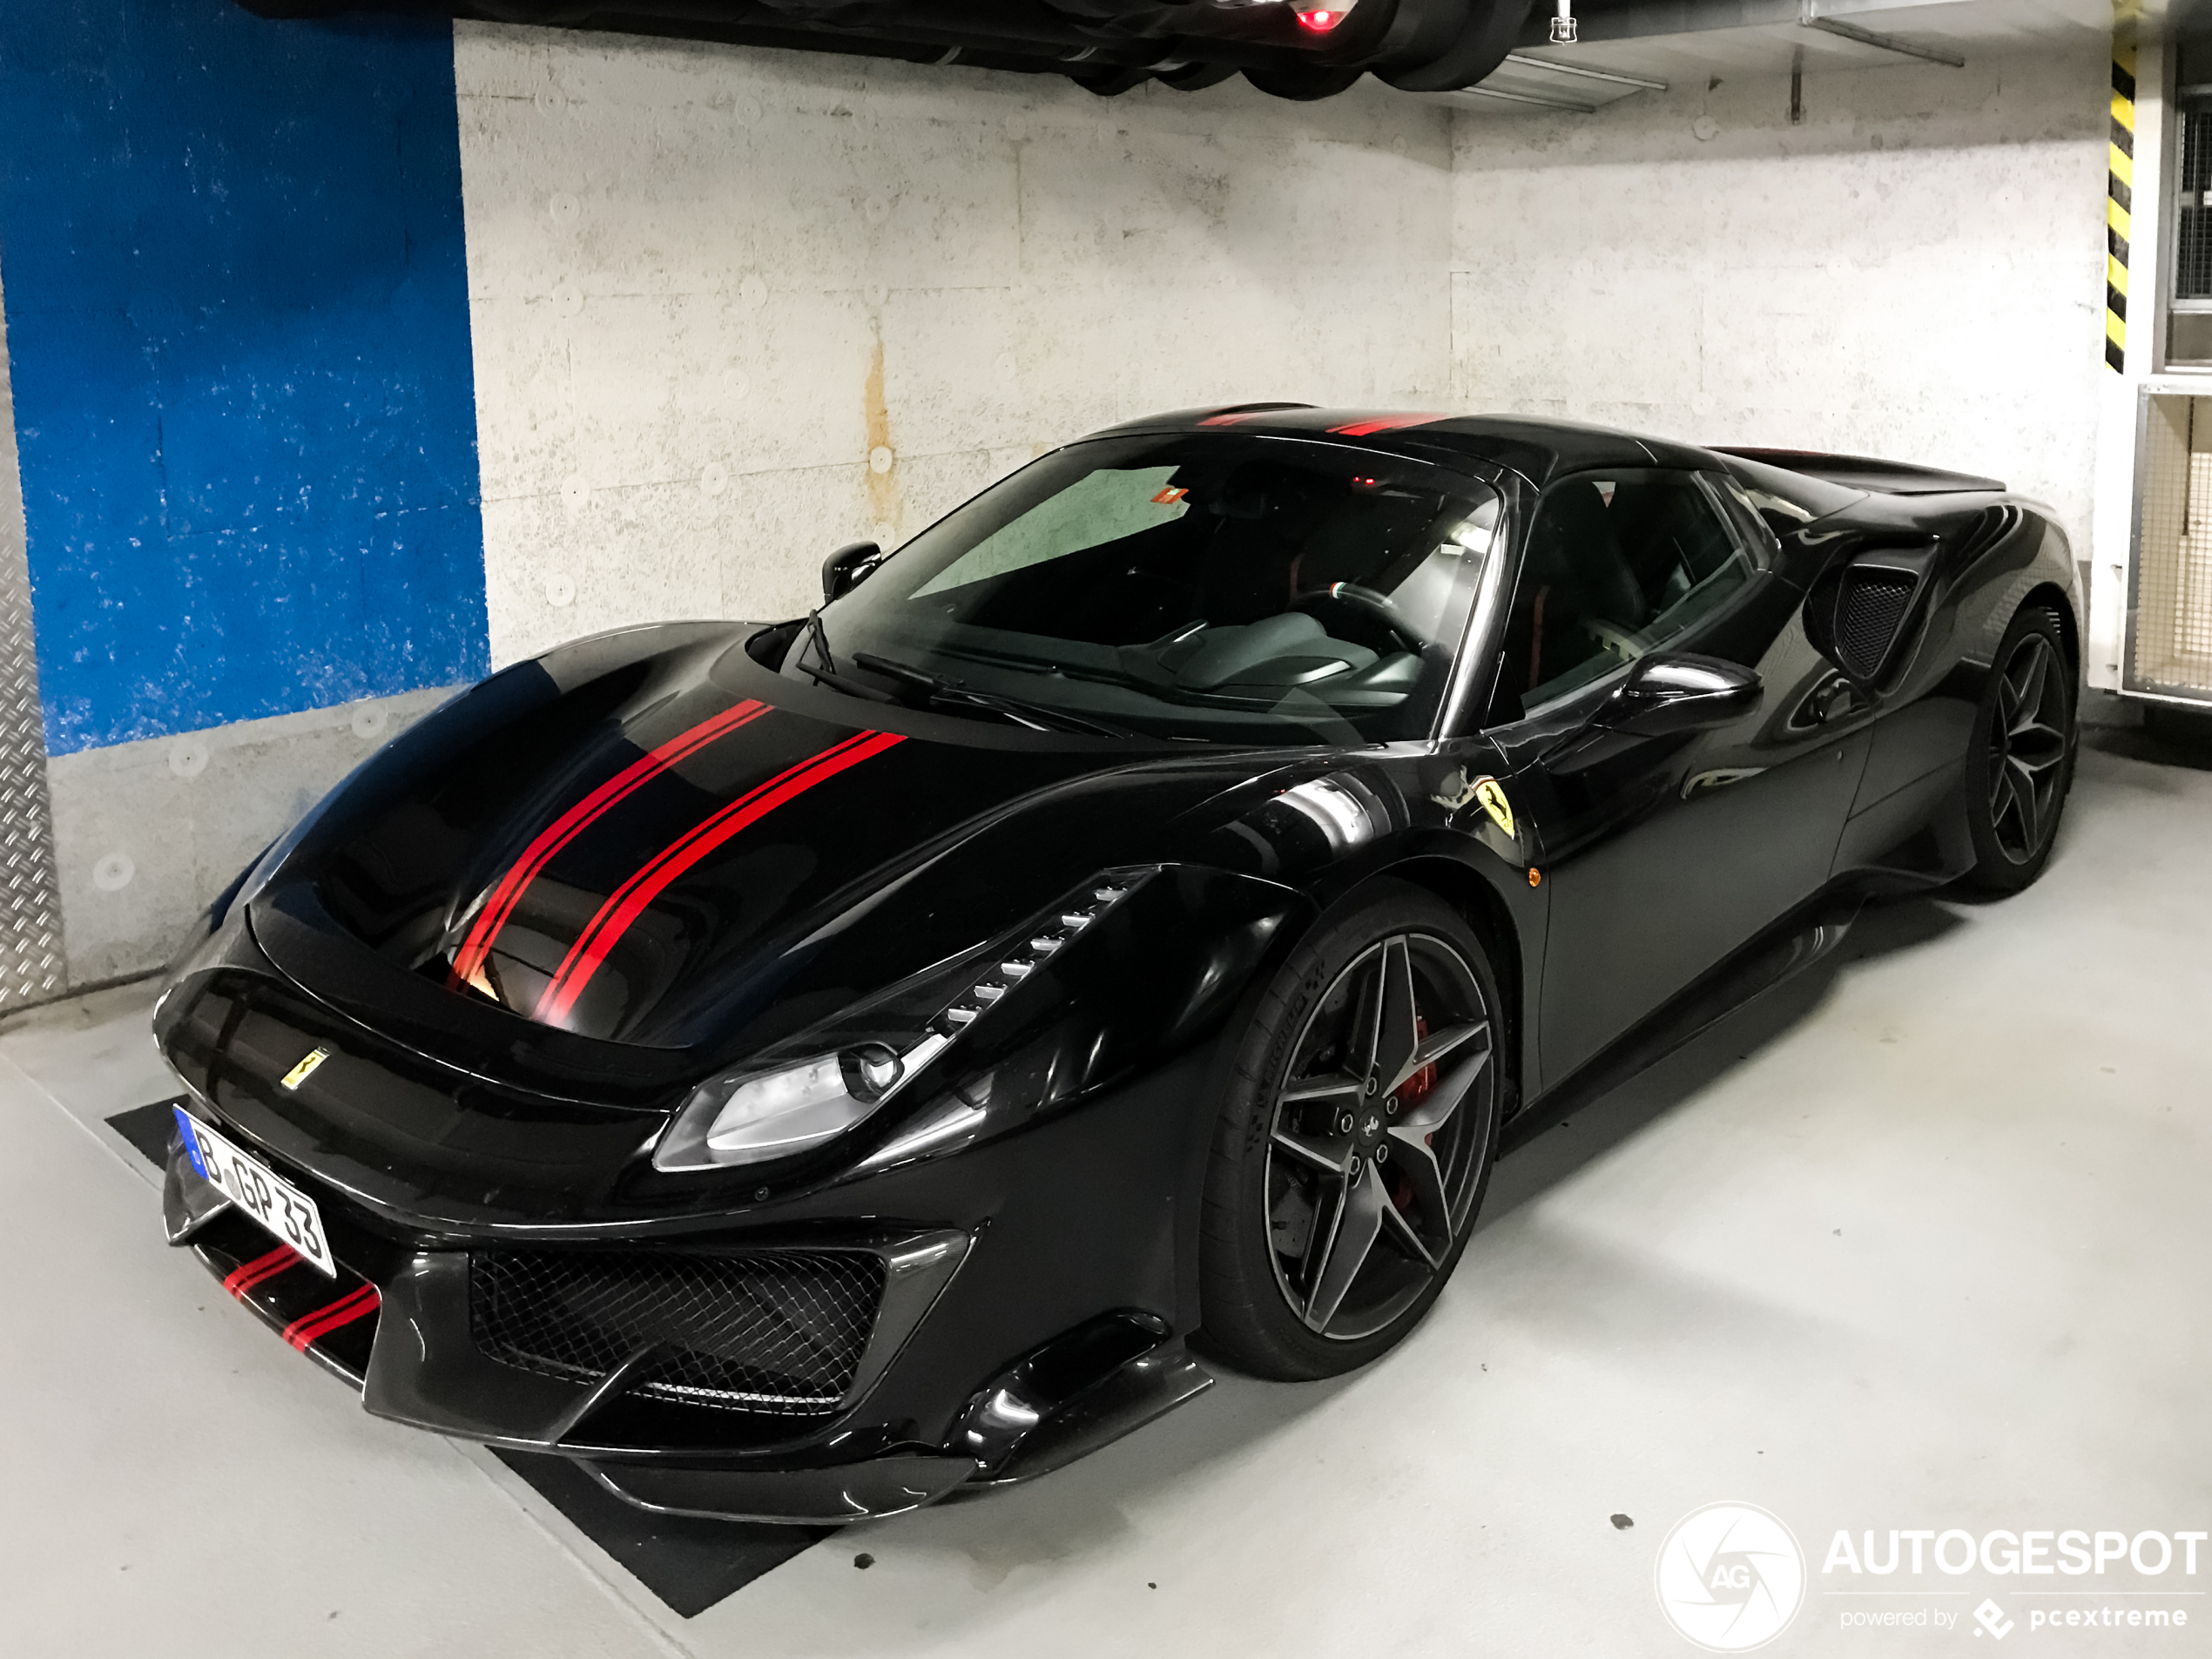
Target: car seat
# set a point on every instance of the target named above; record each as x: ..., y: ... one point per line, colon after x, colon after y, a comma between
x: 1573, y: 571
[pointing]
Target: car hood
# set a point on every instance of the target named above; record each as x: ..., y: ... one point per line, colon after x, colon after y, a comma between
x: 651, y: 840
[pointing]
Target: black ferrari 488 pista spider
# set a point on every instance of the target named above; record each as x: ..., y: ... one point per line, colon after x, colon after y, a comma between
x: 797, y: 1070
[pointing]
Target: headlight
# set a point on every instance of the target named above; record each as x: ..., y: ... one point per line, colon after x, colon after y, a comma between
x: 748, y: 1115
x: 748, y: 1118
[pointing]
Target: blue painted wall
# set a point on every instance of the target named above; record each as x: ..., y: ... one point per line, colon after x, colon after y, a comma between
x: 238, y: 321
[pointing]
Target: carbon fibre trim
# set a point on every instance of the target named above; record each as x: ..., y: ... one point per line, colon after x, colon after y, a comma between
x: 32, y: 968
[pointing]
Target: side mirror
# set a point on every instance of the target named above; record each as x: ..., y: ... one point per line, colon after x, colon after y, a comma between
x: 843, y: 569
x: 1674, y: 692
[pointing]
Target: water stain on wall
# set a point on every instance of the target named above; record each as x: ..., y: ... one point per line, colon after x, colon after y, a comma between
x: 885, y: 497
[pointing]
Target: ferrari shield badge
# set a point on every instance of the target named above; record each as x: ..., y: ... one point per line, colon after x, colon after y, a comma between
x: 1491, y: 795
x: 1460, y: 790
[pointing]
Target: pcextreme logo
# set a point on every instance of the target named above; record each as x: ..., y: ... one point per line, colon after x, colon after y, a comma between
x: 1729, y: 1577
x: 1903, y: 1561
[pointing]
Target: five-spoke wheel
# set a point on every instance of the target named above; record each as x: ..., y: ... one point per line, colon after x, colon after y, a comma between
x: 2021, y: 761
x: 2029, y: 743
x: 1353, y: 1155
x: 1370, y: 1162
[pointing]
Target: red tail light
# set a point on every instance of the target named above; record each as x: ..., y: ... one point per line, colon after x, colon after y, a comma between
x: 1320, y: 22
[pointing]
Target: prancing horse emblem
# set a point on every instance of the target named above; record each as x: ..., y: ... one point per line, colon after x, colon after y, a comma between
x: 1458, y: 789
x: 305, y: 1070
x: 1491, y: 795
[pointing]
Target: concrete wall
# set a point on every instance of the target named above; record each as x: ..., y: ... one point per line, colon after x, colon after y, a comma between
x: 708, y: 286
x: 1916, y: 272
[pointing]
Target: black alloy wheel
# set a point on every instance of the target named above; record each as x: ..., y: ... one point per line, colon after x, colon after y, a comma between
x: 2021, y: 763
x: 1357, y: 1142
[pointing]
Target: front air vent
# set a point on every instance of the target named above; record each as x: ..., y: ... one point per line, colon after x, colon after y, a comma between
x: 780, y: 1332
x: 1991, y: 528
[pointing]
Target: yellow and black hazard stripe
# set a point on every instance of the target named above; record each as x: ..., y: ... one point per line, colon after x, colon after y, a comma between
x: 2121, y: 199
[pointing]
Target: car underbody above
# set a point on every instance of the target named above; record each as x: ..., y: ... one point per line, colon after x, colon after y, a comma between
x: 1296, y: 48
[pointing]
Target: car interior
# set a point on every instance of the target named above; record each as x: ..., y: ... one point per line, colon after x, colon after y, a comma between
x: 1247, y: 577
x: 1615, y: 567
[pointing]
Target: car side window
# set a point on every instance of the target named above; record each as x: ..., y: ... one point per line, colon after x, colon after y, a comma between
x: 1616, y: 565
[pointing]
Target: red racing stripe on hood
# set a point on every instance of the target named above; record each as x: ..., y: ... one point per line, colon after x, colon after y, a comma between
x: 629, y: 900
x: 1368, y: 427
x: 470, y: 958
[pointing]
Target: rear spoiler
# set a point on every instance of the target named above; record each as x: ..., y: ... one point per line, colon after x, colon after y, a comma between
x: 1863, y: 472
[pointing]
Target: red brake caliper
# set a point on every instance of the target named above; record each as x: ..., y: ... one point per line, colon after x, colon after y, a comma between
x: 1401, y: 1189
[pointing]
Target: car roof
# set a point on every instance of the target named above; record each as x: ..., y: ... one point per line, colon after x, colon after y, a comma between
x: 1538, y: 450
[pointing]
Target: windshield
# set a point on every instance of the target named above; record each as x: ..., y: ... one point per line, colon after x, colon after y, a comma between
x: 1200, y: 585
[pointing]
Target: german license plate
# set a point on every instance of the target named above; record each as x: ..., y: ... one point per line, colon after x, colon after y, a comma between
x: 288, y: 1213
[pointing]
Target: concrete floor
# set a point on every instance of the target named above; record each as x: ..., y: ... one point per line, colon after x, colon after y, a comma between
x: 1915, y: 1242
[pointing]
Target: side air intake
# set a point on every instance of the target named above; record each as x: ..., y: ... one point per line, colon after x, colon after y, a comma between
x: 1859, y: 614
x: 1869, y: 610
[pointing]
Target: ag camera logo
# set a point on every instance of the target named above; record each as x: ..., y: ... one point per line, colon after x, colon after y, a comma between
x: 1729, y: 1577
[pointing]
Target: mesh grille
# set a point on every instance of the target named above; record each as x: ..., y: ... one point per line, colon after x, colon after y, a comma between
x: 1866, y: 617
x: 780, y: 1332
x: 2193, y: 238
x: 2171, y: 629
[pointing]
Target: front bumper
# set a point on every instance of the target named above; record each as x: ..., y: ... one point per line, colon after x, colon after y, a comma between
x: 926, y: 1408
x: 331, y: 1321
x: 1026, y: 1298
x: 407, y: 1339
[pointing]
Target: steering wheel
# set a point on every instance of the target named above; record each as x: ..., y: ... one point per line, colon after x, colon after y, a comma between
x: 1367, y: 604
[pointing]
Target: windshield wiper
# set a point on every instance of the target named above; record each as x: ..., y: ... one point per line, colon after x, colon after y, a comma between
x: 821, y: 638
x: 840, y: 683
x: 1038, y: 717
x: 827, y: 674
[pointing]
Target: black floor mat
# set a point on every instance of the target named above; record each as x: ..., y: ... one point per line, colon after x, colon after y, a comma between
x: 148, y: 1127
x: 689, y: 1564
